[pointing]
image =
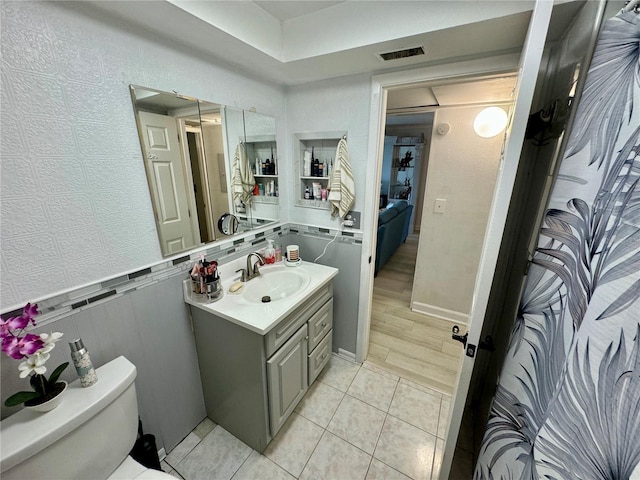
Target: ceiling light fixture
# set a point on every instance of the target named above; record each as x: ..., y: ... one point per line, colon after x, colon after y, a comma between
x: 490, y: 122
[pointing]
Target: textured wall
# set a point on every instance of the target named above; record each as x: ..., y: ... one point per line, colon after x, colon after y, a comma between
x: 341, y: 104
x: 462, y: 170
x: 75, y: 203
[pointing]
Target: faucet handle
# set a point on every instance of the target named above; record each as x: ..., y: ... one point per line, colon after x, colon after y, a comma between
x: 243, y: 274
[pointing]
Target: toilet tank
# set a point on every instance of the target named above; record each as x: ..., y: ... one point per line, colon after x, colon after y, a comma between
x: 86, y: 437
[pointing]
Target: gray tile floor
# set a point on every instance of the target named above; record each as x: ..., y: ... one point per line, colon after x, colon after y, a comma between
x: 355, y: 422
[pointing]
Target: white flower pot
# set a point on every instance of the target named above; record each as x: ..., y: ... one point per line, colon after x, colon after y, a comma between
x: 49, y: 404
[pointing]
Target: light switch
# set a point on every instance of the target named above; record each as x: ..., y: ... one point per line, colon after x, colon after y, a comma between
x: 440, y: 205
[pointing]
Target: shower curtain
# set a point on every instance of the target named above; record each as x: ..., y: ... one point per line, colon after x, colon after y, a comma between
x: 568, y: 402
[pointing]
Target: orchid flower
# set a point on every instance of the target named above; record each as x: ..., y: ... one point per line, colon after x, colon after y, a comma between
x: 34, y: 363
x: 11, y: 347
x: 49, y: 341
x: 34, y: 350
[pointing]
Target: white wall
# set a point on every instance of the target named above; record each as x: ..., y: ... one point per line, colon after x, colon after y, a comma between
x: 336, y: 105
x: 75, y: 203
x: 462, y: 170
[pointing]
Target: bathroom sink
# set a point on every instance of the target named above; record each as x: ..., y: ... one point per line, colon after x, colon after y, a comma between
x: 276, y: 282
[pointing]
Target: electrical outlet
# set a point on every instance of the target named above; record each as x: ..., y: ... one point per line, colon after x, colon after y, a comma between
x: 352, y: 220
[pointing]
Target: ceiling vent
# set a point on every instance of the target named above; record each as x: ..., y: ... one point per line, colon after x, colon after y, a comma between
x: 406, y: 53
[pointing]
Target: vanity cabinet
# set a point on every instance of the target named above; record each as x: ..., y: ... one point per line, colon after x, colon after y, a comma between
x: 287, y: 378
x: 253, y: 382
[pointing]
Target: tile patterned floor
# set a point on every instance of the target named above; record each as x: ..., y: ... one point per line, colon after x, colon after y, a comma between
x: 355, y: 422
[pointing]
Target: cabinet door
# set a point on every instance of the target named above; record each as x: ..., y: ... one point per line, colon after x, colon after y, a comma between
x: 287, y: 378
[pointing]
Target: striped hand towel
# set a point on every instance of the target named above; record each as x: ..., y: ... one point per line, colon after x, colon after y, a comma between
x: 342, y: 188
x: 242, y: 180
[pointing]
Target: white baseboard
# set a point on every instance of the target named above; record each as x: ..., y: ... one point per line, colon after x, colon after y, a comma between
x: 439, y: 312
x: 162, y: 454
x: 347, y: 355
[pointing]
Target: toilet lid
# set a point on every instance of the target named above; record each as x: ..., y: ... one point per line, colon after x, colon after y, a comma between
x: 132, y: 470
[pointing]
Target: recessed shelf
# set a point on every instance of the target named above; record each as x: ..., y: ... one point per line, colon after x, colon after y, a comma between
x: 323, y: 145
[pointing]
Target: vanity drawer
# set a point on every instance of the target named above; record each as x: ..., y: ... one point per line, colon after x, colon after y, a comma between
x: 287, y: 327
x: 319, y: 357
x: 320, y: 323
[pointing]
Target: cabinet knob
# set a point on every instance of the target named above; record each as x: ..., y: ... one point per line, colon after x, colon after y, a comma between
x: 307, y: 337
x: 324, y: 355
x: 324, y: 324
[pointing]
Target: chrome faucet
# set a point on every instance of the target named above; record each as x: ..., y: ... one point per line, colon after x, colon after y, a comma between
x: 252, y: 271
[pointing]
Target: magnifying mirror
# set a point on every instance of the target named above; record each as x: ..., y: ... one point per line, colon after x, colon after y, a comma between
x: 228, y: 224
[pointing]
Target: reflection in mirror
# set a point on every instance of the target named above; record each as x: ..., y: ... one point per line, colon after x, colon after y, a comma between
x: 254, y: 147
x: 228, y: 224
x: 171, y: 139
x: 189, y: 147
x: 216, y: 164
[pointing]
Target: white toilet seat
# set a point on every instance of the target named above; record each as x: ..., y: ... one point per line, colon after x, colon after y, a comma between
x: 132, y: 470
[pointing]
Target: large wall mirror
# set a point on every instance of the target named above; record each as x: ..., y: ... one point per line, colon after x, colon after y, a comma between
x: 205, y: 162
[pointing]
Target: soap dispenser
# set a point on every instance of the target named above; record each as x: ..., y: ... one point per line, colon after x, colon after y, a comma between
x: 270, y: 253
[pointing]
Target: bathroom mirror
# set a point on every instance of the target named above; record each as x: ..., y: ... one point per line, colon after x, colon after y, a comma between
x: 254, y: 174
x: 188, y: 147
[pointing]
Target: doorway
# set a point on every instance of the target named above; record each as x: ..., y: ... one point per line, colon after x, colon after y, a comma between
x: 426, y: 286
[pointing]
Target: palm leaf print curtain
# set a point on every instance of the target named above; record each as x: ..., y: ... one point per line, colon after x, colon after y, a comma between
x: 568, y: 402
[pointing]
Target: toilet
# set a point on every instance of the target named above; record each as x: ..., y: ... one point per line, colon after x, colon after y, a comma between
x: 88, y: 436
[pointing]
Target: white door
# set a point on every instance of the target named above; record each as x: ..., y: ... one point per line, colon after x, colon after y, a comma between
x: 514, y: 138
x: 163, y: 161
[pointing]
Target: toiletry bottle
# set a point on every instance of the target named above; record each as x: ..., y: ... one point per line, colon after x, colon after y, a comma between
x: 307, y: 164
x: 316, y: 168
x: 313, y: 164
x: 278, y: 249
x: 267, y: 167
x: 321, y: 170
x: 258, y: 166
x: 307, y: 193
x: 270, y: 253
x: 82, y: 362
x: 264, y: 167
x: 273, y: 163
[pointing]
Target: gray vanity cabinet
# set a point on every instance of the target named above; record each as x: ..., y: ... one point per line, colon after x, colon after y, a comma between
x: 252, y: 382
x: 287, y: 377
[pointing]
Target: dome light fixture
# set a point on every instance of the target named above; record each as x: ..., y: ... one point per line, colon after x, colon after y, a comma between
x: 490, y: 122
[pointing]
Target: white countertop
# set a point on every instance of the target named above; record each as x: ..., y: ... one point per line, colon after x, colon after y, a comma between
x: 258, y: 317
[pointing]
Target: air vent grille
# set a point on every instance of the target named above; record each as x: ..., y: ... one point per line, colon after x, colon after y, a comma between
x: 406, y: 53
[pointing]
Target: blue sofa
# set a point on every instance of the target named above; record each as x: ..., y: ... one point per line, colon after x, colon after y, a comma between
x: 393, y: 228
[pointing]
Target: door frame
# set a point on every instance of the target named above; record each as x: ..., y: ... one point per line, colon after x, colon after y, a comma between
x: 526, y: 64
x: 380, y: 85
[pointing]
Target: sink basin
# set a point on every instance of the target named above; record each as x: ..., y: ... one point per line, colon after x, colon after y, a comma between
x: 277, y: 282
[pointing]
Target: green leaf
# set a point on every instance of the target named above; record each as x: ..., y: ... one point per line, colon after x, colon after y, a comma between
x: 20, y: 397
x: 57, y: 372
x: 39, y: 383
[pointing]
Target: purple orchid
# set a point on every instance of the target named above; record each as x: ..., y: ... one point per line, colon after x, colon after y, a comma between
x: 30, y: 344
x: 11, y: 347
x: 30, y: 311
x: 34, y: 350
x: 19, y: 323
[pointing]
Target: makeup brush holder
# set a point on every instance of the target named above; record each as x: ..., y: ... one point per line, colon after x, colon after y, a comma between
x: 214, y: 291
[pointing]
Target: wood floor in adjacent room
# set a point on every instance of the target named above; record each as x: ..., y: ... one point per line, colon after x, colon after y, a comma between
x: 412, y: 345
